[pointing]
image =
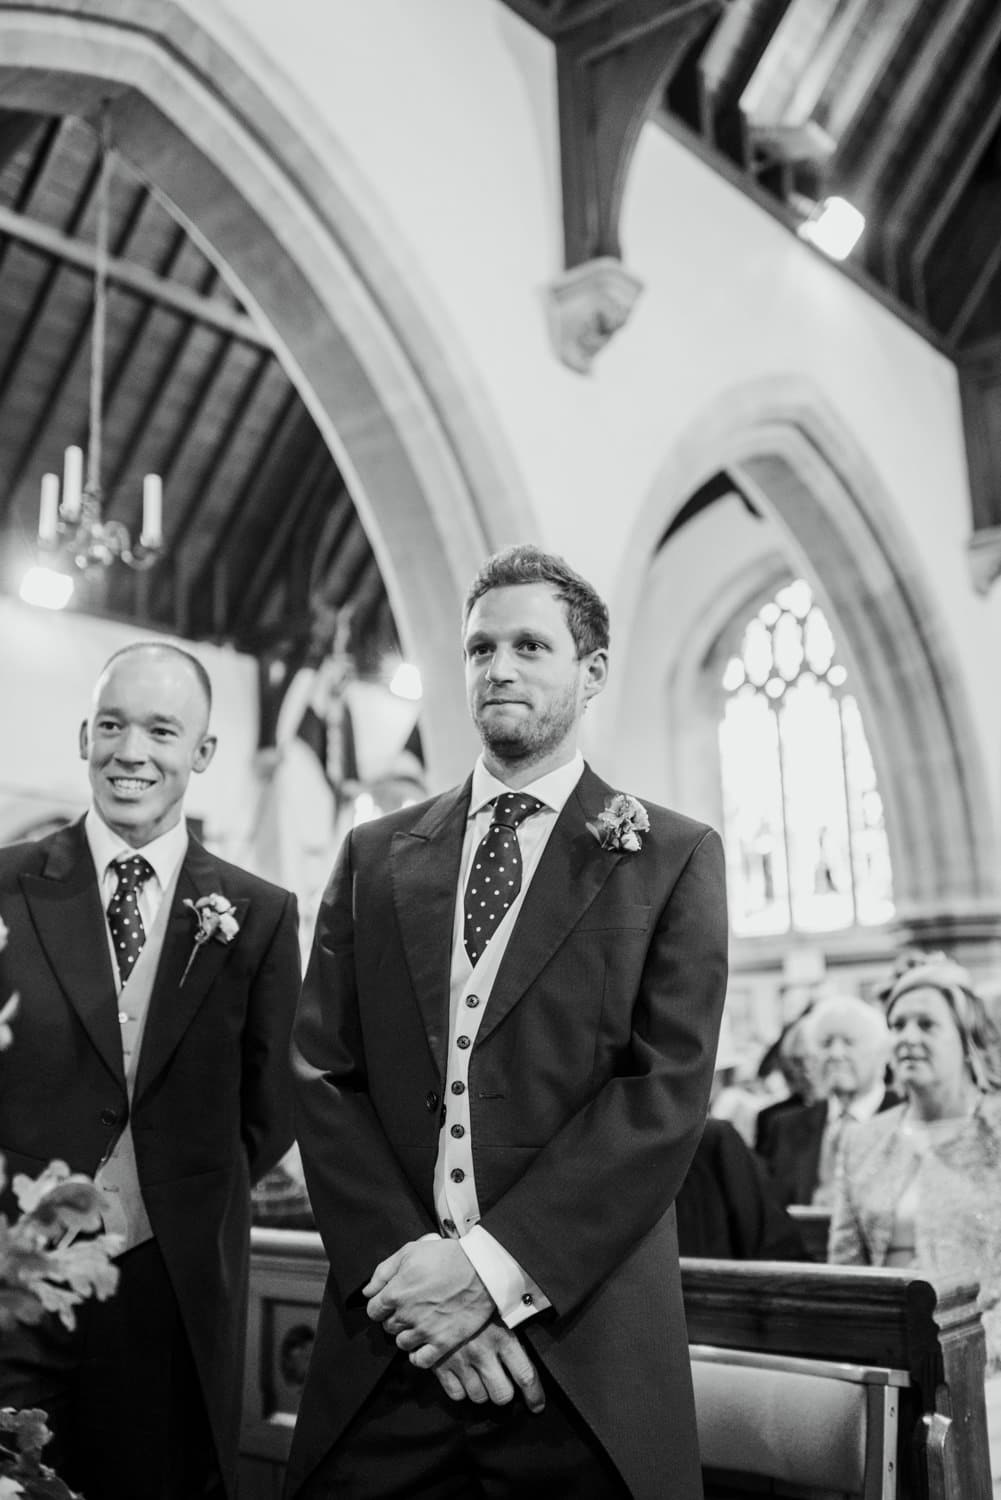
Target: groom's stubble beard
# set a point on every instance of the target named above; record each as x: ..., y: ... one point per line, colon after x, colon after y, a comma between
x: 532, y: 739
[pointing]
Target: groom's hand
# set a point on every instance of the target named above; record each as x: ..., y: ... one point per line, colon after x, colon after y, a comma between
x: 491, y: 1366
x: 429, y: 1298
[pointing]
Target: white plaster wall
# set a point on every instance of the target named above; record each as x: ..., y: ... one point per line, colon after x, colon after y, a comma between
x: 48, y: 665
x: 447, y: 111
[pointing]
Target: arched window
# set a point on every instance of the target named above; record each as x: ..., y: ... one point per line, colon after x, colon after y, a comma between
x: 803, y: 818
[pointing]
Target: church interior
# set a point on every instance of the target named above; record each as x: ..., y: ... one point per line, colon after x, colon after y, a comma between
x: 306, y: 309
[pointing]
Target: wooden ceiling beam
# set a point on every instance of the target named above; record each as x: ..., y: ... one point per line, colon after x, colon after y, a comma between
x: 126, y: 274
x: 316, y: 480
x: 49, y: 132
x: 910, y: 100
x: 854, y: 89
x: 725, y: 68
x: 264, y: 467
x: 926, y: 179
x: 172, y: 353
x: 200, y: 500
x: 43, y: 292
x: 969, y: 269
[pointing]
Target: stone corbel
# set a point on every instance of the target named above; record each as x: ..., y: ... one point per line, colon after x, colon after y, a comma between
x: 586, y: 306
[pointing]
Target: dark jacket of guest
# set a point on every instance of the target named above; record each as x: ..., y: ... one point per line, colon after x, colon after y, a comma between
x: 728, y: 1209
x: 792, y: 1148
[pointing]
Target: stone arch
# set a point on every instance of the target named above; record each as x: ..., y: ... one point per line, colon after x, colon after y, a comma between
x: 788, y: 450
x: 259, y: 180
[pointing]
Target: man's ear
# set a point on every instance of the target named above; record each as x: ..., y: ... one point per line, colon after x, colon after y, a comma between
x: 595, y: 673
x: 204, y: 753
x: 84, y: 741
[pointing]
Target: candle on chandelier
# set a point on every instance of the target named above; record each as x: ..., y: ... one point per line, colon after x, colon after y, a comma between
x: 72, y: 483
x: 151, y: 535
x: 48, y: 510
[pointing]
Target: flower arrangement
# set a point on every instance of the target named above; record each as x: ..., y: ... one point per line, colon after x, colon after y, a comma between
x: 44, y: 1269
x: 215, y: 918
x: 620, y: 823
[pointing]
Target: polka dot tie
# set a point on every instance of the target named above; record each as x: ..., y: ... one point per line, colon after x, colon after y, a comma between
x: 124, y: 919
x: 495, y: 878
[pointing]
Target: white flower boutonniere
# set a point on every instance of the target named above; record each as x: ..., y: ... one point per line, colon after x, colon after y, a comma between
x: 619, y: 825
x: 215, y: 918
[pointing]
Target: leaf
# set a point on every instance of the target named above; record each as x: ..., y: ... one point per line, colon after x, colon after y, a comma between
x: 59, y: 1200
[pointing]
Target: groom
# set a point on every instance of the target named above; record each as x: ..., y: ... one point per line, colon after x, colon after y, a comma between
x: 504, y: 1050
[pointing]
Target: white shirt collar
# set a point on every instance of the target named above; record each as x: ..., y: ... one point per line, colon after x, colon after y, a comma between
x: 553, y: 789
x: 862, y: 1107
x: 164, y: 852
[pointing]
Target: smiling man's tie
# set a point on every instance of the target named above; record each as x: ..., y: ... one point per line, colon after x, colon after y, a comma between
x: 124, y: 917
x: 495, y: 877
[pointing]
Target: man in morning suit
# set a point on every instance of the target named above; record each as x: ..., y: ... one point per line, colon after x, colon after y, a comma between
x: 158, y: 1065
x: 850, y: 1045
x: 504, y: 1051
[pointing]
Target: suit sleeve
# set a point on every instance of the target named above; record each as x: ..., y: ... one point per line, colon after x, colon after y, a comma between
x: 609, y: 1175
x: 364, y: 1206
x: 266, y: 1086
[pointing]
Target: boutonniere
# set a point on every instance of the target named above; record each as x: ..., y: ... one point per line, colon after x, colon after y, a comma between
x: 619, y: 825
x: 215, y: 918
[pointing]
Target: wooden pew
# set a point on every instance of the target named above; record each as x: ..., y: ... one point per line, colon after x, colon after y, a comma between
x: 798, y: 1358
x: 914, y: 1352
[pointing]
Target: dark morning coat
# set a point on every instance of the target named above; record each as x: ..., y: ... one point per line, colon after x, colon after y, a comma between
x: 588, y: 1082
x: 211, y: 1110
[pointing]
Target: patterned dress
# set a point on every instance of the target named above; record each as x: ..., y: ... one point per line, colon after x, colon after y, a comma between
x: 929, y: 1195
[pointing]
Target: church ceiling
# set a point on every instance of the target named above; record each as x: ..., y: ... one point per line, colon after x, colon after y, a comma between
x: 257, y: 518
x: 894, y: 105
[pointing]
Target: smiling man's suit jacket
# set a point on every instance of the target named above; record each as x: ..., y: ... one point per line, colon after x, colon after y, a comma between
x: 589, y: 1081
x: 211, y: 1108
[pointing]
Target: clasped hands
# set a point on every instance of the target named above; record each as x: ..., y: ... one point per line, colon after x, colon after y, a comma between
x: 431, y: 1301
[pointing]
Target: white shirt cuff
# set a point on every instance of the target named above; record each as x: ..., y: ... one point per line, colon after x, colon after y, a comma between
x: 515, y: 1293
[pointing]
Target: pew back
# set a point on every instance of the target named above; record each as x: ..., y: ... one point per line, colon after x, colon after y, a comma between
x: 931, y: 1338
x: 873, y: 1378
x: 815, y: 1427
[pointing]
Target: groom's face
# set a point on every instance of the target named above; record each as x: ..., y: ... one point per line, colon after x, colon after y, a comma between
x: 526, y: 686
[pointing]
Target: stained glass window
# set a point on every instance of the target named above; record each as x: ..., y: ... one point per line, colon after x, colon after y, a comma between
x: 806, y: 842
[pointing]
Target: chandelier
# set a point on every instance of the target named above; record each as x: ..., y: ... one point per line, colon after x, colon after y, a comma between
x: 72, y: 531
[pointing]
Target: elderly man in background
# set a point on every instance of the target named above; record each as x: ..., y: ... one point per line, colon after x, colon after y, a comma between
x: 850, y: 1045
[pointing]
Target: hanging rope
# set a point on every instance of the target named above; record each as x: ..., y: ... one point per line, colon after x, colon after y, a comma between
x: 97, y: 343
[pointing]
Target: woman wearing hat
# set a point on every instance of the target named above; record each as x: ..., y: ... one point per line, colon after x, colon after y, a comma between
x: 920, y: 1185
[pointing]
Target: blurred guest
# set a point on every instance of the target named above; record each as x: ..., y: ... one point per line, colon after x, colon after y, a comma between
x: 791, y: 1057
x: 727, y: 1207
x: 850, y: 1044
x: 921, y: 1184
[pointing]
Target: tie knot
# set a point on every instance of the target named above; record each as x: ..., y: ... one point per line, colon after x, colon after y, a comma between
x: 512, y: 808
x: 132, y: 873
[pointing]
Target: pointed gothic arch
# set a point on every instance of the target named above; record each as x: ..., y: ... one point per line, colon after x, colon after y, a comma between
x: 260, y: 180
x: 787, y: 449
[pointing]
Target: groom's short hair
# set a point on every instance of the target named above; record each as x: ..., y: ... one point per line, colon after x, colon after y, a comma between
x: 586, y: 611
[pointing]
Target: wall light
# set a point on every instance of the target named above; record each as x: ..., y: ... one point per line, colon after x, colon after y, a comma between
x: 406, y: 682
x: 46, y: 587
x: 834, y: 226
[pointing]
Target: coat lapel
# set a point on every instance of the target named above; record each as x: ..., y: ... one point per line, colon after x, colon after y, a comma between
x: 65, y: 905
x: 173, y: 1005
x: 424, y: 869
x: 571, y: 872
